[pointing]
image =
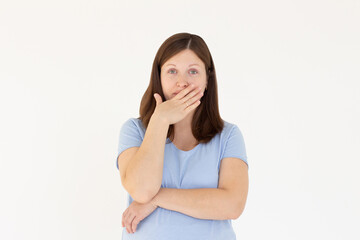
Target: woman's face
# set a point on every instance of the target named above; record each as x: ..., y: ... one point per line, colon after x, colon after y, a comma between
x: 180, y: 71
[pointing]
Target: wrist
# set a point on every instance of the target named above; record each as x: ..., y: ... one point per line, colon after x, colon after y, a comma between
x: 157, y: 117
x: 154, y: 202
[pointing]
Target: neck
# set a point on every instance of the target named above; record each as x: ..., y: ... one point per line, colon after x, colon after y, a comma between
x: 183, y: 131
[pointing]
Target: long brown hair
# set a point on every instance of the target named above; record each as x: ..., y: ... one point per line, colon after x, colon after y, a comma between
x: 206, y: 122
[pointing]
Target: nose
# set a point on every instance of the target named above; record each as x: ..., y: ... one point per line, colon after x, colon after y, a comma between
x: 182, y: 82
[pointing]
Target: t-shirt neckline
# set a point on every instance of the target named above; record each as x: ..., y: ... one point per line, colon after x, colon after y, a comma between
x: 182, y: 151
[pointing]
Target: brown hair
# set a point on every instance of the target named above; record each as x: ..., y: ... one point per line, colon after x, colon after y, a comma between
x: 206, y: 122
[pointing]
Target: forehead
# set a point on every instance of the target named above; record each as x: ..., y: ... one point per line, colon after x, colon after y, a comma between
x: 184, y: 58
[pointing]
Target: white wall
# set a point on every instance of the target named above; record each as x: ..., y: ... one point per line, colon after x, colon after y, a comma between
x: 71, y: 72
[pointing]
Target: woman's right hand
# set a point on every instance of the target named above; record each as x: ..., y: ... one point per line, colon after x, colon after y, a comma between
x: 176, y: 109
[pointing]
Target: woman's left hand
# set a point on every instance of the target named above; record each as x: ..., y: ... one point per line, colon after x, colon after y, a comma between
x: 135, y: 213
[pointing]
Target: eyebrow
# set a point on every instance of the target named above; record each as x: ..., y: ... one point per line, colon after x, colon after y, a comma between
x: 189, y: 65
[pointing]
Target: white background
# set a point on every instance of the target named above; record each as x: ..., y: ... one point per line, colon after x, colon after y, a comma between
x: 73, y: 71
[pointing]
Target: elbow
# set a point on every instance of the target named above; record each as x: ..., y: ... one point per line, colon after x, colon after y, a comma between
x: 236, y: 214
x: 142, y: 195
x: 151, y: 194
x: 140, y: 198
x: 238, y: 209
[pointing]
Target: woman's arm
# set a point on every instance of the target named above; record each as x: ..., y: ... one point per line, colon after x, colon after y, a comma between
x: 203, y: 203
x: 144, y: 172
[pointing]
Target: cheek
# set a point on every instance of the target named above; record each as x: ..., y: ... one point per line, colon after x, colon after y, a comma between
x: 165, y: 86
x: 167, y: 83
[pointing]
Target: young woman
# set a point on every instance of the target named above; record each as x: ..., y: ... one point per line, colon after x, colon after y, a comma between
x: 185, y: 168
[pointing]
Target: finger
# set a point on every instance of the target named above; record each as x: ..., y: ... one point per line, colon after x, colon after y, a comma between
x: 193, y: 106
x: 184, y: 92
x: 193, y: 100
x: 124, y: 217
x: 197, y: 96
x: 192, y: 96
x: 134, y: 224
x: 158, y: 98
x: 129, y: 221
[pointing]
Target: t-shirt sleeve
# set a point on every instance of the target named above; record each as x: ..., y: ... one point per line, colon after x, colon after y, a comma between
x: 129, y: 137
x: 235, y: 145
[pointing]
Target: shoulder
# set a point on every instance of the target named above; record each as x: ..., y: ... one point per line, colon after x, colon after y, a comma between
x: 134, y: 126
x: 133, y: 122
x: 230, y: 129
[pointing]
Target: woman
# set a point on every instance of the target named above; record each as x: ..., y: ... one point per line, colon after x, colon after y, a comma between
x: 185, y: 168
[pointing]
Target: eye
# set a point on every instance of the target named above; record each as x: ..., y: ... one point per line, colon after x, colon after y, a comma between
x: 171, y: 71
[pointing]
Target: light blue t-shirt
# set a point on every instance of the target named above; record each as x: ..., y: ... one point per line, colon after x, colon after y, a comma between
x: 196, y: 168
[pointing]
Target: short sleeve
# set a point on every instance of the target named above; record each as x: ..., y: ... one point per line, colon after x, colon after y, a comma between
x: 129, y: 137
x: 235, y: 145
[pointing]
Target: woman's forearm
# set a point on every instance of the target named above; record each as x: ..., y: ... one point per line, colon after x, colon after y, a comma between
x: 203, y: 203
x: 144, y: 173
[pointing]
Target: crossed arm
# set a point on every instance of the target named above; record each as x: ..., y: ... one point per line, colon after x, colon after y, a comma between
x: 203, y: 203
x: 225, y: 202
